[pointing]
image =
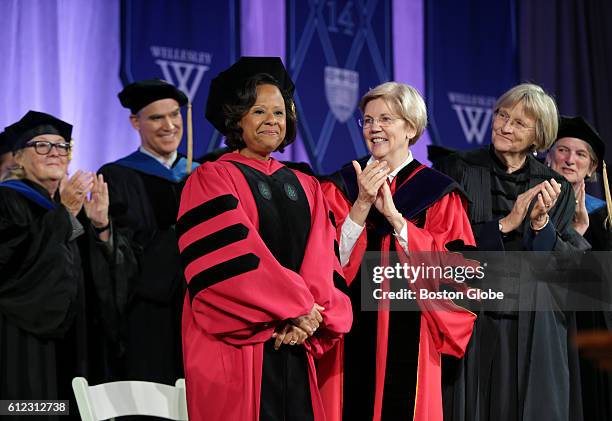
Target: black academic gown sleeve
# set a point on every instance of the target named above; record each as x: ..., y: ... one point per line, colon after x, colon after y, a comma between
x: 598, y: 234
x: 147, y: 273
x: 144, y: 232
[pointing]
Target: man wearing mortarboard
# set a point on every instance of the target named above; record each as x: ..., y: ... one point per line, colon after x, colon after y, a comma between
x: 145, y: 189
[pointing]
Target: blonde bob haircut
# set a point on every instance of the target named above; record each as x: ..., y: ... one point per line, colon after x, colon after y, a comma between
x: 15, y: 172
x: 538, y: 105
x: 404, y: 100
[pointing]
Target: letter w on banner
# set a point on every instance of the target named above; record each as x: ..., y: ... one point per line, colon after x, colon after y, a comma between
x: 337, y: 51
x: 471, y: 60
x: 185, y: 43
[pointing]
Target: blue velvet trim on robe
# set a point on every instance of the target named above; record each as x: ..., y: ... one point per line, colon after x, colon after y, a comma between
x: 146, y: 164
x: 30, y: 193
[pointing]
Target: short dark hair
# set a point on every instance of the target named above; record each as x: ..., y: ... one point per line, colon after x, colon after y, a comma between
x: 244, y: 98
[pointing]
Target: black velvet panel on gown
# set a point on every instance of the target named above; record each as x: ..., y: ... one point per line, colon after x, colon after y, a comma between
x: 284, y: 226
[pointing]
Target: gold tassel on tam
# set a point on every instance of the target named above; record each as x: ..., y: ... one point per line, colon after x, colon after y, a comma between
x: 189, y: 139
x: 608, y: 221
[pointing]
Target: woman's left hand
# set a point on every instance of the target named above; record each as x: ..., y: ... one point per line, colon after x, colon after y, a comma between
x: 384, y: 204
x: 581, y: 215
x: 289, y: 334
x: 545, y: 200
x: 96, y: 207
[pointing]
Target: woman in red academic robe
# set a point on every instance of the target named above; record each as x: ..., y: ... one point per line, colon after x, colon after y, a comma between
x: 390, y: 202
x: 257, y: 243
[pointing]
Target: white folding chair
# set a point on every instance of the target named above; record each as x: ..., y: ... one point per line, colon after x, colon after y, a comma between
x: 116, y: 399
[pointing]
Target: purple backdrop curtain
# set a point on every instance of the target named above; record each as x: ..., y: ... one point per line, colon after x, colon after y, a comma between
x: 62, y: 57
x: 262, y: 24
x: 409, y: 56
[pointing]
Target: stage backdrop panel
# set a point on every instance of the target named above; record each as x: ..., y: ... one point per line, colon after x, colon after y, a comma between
x: 336, y: 51
x: 471, y: 59
x: 186, y: 46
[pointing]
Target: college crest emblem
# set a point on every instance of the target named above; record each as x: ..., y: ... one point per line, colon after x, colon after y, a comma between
x: 341, y: 90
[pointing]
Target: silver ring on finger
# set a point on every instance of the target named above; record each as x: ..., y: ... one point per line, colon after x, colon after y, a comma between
x: 292, y: 342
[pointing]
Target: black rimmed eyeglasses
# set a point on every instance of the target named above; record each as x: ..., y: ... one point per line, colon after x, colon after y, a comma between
x: 43, y: 147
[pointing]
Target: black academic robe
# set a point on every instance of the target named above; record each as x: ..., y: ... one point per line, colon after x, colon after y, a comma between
x: 543, y: 379
x: 597, y: 383
x: 144, y: 200
x: 57, y: 317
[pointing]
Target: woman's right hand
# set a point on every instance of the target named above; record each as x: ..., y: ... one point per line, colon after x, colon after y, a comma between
x: 369, y: 181
x: 310, y: 322
x: 73, y: 190
x: 581, y: 217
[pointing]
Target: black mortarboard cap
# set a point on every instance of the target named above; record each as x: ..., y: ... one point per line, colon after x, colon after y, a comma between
x: 579, y: 128
x: 224, y: 87
x: 35, y: 123
x: 138, y: 95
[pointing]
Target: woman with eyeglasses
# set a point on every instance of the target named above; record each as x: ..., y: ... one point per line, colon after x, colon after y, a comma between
x: 53, y: 266
x: 390, y: 202
x: 520, y: 364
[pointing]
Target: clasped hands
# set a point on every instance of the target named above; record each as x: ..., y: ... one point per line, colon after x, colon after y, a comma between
x: 545, y: 196
x: 295, y: 331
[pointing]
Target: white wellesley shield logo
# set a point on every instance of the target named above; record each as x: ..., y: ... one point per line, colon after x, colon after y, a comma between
x: 341, y: 89
x: 187, y: 76
x: 474, y: 121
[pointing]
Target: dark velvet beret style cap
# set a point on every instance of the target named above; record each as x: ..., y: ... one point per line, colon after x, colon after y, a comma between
x: 138, y: 95
x: 579, y: 128
x: 35, y: 123
x: 224, y: 87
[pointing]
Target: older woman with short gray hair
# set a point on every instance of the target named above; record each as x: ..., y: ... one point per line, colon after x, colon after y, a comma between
x: 521, y: 364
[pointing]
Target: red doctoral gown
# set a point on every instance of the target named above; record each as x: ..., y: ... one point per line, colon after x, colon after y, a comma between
x: 434, y: 211
x: 239, y: 292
